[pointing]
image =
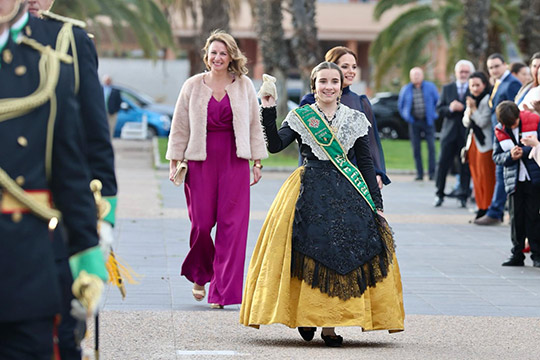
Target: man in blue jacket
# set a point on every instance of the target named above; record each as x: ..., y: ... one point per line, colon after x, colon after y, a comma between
x: 417, y: 105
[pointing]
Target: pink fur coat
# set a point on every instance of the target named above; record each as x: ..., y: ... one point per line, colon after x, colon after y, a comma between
x: 187, y: 139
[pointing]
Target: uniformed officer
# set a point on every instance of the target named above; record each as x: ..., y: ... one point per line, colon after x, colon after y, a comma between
x: 96, y: 143
x: 41, y: 163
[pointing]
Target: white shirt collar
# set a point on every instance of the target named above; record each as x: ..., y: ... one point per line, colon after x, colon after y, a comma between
x: 21, y: 22
x: 506, y: 73
x: 4, y: 38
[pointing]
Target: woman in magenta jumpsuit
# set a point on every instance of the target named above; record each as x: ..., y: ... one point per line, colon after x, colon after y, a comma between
x: 216, y: 129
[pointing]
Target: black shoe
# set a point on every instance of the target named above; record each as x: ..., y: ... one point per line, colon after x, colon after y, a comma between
x: 418, y: 178
x: 438, y: 201
x: 307, y: 333
x: 480, y: 213
x: 536, y: 263
x: 513, y: 261
x: 454, y: 193
x: 332, y: 340
x: 463, y: 203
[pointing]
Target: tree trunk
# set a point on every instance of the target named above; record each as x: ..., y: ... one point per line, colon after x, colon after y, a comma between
x: 273, y: 47
x: 304, y: 42
x: 476, y: 31
x: 529, y: 34
x: 215, y: 15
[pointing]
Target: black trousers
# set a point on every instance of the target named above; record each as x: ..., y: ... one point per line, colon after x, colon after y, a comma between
x: 449, y: 150
x: 70, y: 330
x: 524, y: 206
x: 27, y: 340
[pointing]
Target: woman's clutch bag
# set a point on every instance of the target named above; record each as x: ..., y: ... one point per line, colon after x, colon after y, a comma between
x: 180, y: 173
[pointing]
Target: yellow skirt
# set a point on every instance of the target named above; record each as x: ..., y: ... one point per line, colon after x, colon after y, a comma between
x: 271, y: 295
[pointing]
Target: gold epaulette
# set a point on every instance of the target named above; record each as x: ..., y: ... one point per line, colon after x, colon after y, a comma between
x: 50, y: 15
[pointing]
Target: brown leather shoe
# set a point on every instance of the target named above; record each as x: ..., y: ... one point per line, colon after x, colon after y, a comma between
x: 487, y: 220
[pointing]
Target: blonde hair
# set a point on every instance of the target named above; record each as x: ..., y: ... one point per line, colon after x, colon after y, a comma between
x: 238, y: 60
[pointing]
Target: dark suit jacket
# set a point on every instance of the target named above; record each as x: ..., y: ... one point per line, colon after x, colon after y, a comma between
x: 507, y: 91
x: 114, y: 101
x: 97, y: 142
x: 28, y: 272
x: 452, y: 127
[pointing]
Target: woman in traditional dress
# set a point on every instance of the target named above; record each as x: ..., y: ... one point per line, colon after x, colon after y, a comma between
x: 325, y: 255
x: 216, y: 129
x: 347, y: 61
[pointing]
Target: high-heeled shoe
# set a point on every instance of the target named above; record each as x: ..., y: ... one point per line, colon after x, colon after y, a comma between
x: 216, y: 306
x: 198, y: 295
x: 332, y: 340
x: 307, y: 333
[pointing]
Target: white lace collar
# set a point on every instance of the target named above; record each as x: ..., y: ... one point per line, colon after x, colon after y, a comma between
x: 350, y: 124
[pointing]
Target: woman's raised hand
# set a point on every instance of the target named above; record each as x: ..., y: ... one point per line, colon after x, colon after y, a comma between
x: 268, y: 91
x: 267, y: 101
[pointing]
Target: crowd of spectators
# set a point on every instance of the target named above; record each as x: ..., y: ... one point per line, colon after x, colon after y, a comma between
x: 490, y: 122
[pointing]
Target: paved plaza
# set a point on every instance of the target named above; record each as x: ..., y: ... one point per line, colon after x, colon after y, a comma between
x: 459, y: 302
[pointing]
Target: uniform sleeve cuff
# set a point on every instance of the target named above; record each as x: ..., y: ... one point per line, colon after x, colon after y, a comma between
x: 91, y: 260
x: 110, y: 217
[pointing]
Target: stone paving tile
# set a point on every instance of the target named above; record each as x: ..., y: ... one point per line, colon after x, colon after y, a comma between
x: 162, y: 334
x: 444, y: 260
x: 460, y: 303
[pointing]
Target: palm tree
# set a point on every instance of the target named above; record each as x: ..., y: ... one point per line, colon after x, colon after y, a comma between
x: 529, y: 34
x: 475, y: 30
x: 269, y: 16
x: 143, y: 17
x: 304, y: 42
x: 408, y: 40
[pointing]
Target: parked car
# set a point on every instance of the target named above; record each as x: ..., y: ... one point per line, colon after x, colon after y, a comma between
x: 389, y: 122
x: 135, y: 106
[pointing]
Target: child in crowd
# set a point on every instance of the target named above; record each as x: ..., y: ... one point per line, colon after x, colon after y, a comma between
x: 533, y: 142
x: 521, y: 178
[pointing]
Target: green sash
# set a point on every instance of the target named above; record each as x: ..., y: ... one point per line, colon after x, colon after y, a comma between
x: 328, y: 142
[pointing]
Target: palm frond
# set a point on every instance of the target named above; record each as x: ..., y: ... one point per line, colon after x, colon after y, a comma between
x: 144, y: 17
x: 449, y: 19
x: 417, y: 45
x: 390, y: 57
x: 385, y: 5
x: 400, y: 26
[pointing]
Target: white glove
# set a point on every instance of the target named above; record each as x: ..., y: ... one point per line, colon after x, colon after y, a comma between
x: 106, y: 238
x: 268, y: 87
x: 77, y: 310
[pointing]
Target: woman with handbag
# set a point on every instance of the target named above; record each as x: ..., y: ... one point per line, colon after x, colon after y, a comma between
x: 216, y: 131
x: 479, y: 146
x: 325, y: 255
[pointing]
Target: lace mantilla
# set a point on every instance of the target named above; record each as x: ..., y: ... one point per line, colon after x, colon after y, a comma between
x: 351, y: 125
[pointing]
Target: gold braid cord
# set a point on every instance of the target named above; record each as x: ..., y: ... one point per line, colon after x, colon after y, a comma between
x: 11, y: 108
x: 49, y: 72
x: 48, y: 214
x: 354, y: 283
